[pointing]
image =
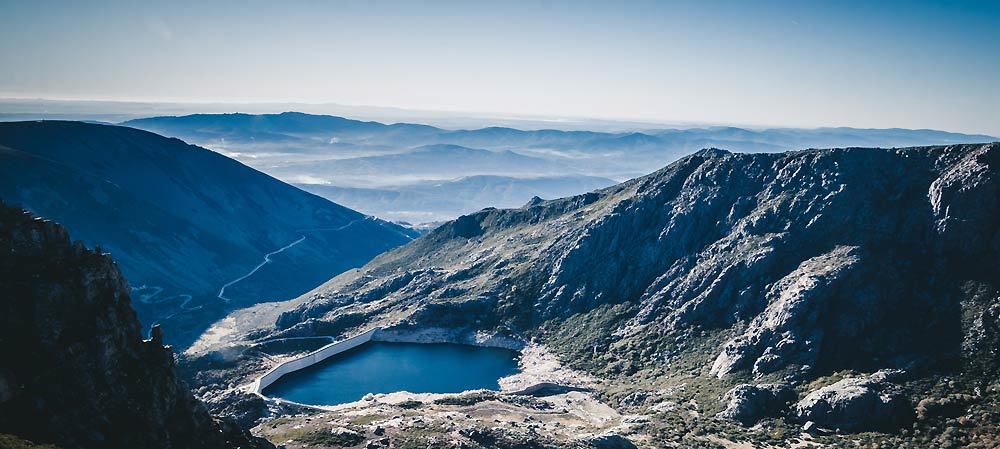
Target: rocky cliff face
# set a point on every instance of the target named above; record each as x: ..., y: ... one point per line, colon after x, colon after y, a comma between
x: 76, y: 371
x: 798, y: 269
x: 817, y: 260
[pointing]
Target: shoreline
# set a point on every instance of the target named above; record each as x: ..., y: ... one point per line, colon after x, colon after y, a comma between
x: 538, y: 369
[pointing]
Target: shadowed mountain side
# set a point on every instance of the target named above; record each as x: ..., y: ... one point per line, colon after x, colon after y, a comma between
x: 182, y: 220
x: 80, y: 374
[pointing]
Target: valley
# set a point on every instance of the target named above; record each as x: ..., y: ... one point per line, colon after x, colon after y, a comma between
x: 267, y: 260
x: 473, y: 224
x: 698, y: 328
x: 183, y: 221
x: 693, y: 314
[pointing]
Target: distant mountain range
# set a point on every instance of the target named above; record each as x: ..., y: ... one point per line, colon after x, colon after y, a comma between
x: 187, y: 225
x: 434, y: 201
x: 335, y: 151
x: 429, y: 162
x: 292, y: 126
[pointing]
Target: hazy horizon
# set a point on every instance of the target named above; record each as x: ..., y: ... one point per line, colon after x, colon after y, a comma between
x: 909, y: 65
x: 90, y: 109
x: 634, y: 225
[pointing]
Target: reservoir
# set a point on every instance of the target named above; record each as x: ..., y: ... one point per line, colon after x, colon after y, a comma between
x: 381, y: 367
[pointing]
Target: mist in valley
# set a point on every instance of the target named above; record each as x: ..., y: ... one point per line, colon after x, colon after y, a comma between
x: 421, y: 174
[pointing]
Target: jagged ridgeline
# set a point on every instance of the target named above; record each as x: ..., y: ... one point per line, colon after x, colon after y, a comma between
x: 76, y: 371
x: 783, y: 267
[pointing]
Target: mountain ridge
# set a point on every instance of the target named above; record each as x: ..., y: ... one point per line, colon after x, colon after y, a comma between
x: 722, y: 268
x: 182, y: 220
x: 318, y: 123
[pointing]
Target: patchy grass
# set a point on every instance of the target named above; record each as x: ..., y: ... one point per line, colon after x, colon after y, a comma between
x: 364, y: 420
x: 825, y: 381
x: 312, y: 436
x: 421, y: 437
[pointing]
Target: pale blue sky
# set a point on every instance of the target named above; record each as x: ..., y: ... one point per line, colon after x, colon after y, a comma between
x: 797, y: 63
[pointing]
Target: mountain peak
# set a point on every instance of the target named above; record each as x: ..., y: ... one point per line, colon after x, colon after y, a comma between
x: 712, y: 152
x: 534, y: 201
x: 781, y: 265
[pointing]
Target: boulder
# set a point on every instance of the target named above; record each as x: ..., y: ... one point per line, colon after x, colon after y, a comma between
x: 965, y: 201
x: 856, y: 404
x: 748, y: 403
x: 609, y: 441
x: 789, y: 331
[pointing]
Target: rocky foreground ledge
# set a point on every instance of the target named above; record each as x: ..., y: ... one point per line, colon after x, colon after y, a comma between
x: 76, y: 371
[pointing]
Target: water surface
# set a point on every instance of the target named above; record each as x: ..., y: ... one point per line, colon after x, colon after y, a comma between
x: 380, y: 367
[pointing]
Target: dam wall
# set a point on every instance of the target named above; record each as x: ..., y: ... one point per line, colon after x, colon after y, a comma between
x: 310, y: 359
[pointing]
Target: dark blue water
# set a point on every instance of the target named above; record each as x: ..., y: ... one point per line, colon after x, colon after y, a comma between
x: 379, y: 367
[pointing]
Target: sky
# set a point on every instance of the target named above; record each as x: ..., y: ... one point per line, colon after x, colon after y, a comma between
x: 912, y: 64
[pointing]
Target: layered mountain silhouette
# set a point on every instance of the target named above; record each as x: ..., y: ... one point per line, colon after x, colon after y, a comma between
x: 352, y: 155
x: 434, y: 201
x: 290, y: 126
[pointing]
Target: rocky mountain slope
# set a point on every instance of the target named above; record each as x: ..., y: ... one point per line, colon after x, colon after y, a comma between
x: 183, y: 221
x: 76, y: 370
x: 791, y: 274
